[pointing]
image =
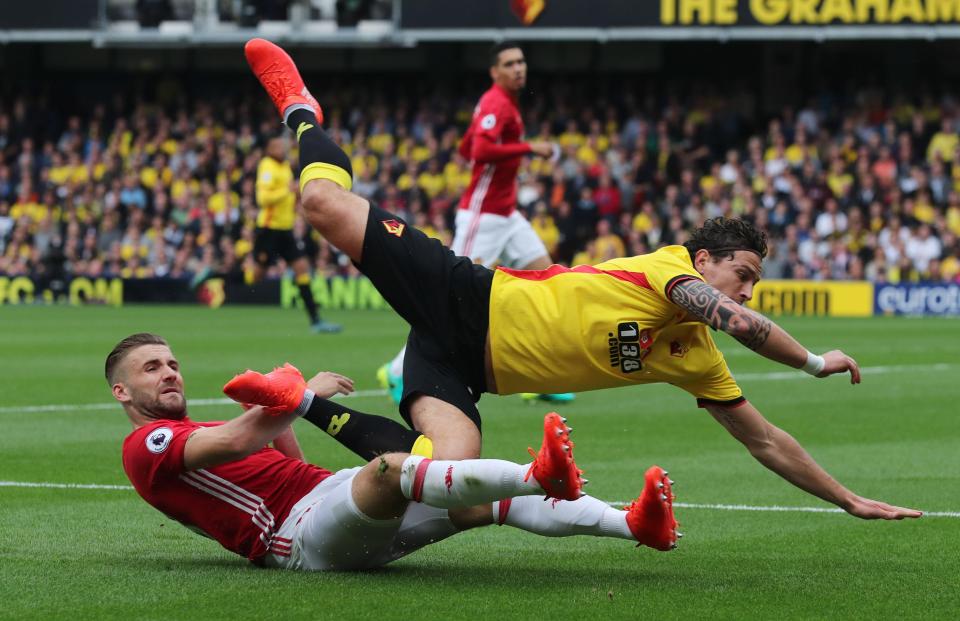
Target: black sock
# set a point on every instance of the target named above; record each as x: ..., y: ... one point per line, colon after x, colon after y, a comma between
x: 367, y: 435
x: 311, y: 305
x: 315, y: 144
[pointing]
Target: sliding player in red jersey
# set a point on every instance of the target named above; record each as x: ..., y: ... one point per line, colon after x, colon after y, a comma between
x: 268, y: 505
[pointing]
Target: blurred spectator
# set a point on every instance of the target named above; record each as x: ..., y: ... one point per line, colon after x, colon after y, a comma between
x: 844, y: 190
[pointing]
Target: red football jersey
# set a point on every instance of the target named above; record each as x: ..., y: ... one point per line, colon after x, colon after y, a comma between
x: 240, y: 504
x: 493, y: 183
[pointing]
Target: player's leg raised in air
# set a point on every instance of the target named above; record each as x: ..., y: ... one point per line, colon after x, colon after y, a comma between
x: 412, y: 272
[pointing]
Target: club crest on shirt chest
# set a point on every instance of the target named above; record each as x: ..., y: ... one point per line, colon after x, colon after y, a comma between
x: 628, y: 346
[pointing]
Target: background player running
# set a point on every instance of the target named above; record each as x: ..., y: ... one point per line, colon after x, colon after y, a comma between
x: 273, y: 238
x: 640, y: 319
x: 268, y: 505
x: 489, y: 229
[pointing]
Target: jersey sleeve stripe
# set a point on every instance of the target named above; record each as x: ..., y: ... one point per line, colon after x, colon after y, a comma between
x: 636, y: 278
x: 729, y: 403
x: 675, y: 281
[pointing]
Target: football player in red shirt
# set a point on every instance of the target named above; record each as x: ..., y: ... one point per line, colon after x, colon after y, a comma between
x: 221, y: 479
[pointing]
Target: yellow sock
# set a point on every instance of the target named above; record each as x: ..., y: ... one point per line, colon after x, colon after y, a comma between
x: 423, y: 447
x: 323, y: 170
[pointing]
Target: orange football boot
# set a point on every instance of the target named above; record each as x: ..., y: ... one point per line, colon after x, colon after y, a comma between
x: 279, y: 391
x: 279, y: 76
x: 650, y: 517
x: 553, y: 467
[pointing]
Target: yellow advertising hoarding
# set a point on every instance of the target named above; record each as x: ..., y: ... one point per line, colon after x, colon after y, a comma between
x: 813, y: 298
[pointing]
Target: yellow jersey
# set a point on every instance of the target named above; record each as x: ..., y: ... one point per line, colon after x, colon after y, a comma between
x: 274, y: 197
x: 612, y: 324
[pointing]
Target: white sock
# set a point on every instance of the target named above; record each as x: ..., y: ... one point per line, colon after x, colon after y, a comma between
x: 561, y: 518
x: 396, y: 365
x: 464, y: 483
x: 306, y: 402
x: 294, y: 107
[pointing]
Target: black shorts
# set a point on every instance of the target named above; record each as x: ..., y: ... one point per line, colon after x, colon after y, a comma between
x: 268, y: 244
x: 444, y: 298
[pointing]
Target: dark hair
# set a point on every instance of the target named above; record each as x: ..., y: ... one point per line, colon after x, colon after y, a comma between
x: 721, y: 237
x: 124, y: 347
x: 499, y: 47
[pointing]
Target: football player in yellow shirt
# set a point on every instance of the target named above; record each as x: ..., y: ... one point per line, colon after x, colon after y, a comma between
x: 274, y: 234
x: 633, y: 320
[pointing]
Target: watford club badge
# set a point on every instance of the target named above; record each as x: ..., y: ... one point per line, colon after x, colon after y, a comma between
x: 678, y: 349
x: 527, y: 11
x: 393, y: 227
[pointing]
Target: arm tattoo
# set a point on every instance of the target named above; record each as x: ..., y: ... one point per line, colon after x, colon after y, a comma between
x: 728, y: 419
x: 721, y: 313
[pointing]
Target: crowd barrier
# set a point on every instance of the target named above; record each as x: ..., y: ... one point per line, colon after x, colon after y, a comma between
x: 921, y: 299
x: 338, y: 292
x: 806, y: 298
x: 813, y: 298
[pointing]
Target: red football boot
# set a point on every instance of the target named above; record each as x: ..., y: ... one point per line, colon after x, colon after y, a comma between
x: 553, y: 467
x: 279, y: 76
x: 650, y: 517
x: 279, y: 391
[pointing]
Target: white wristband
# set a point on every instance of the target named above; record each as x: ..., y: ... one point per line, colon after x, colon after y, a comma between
x: 814, y: 364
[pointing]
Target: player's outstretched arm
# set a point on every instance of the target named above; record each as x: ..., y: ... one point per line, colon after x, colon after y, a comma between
x: 780, y: 452
x: 211, y: 446
x: 255, y: 428
x: 755, y: 331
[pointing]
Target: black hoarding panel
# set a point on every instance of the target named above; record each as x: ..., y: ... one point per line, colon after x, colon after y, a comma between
x: 47, y: 14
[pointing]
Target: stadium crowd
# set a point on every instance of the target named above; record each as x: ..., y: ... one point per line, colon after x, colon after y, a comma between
x: 866, y: 187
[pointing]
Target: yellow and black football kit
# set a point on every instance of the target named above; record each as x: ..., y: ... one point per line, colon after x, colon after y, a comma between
x: 273, y: 236
x: 276, y: 214
x: 612, y: 324
x: 559, y: 329
x: 275, y: 200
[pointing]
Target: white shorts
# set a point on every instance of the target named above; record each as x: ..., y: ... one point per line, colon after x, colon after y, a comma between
x: 327, y: 531
x: 491, y: 240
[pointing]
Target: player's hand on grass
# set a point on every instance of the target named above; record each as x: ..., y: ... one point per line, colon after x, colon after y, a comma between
x: 325, y: 384
x: 839, y: 362
x: 867, y: 509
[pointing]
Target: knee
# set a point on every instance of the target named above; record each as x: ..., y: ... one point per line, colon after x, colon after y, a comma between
x: 453, y: 434
x: 385, y: 469
x: 319, y: 198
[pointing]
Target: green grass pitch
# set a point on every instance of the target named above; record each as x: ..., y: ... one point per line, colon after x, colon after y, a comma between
x: 105, y: 554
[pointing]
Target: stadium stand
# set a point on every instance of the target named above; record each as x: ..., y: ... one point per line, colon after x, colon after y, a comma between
x: 865, y: 187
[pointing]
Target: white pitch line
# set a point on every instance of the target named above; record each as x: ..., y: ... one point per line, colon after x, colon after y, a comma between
x: 64, y: 485
x: 881, y: 370
x: 778, y: 508
x: 66, y: 407
x: 680, y: 505
x: 776, y: 375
